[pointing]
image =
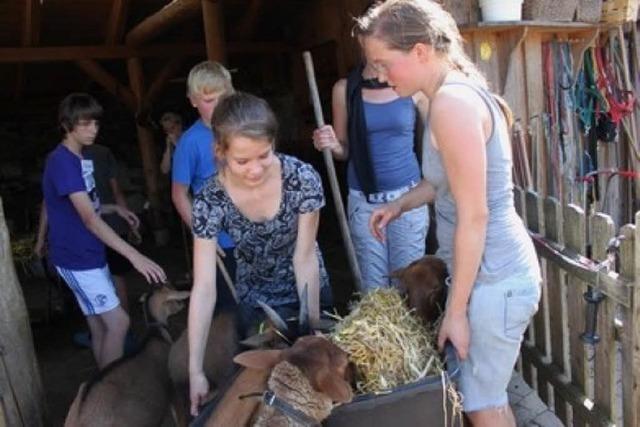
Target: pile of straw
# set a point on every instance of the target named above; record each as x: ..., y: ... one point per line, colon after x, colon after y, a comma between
x: 388, y: 344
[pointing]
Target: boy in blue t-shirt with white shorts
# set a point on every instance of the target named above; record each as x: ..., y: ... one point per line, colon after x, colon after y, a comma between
x: 77, y: 235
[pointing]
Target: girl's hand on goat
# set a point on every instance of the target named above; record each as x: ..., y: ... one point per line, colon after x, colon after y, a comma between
x: 455, y: 328
x: 198, y: 389
x: 382, y: 216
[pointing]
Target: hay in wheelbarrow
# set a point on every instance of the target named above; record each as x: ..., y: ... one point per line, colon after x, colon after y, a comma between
x: 401, y: 380
x: 388, y: 343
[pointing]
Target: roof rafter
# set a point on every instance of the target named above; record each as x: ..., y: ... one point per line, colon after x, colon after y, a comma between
x: 213, y: 30
x: 107, y: 81
x: 72, y: 53
x: 30, y: 37
x: 171, y: 14
x: 115, y: 24
x: 31, y: 28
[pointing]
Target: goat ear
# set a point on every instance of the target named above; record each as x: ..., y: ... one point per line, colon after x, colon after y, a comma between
x: 334, y: 386
x: 258, y: 340
x: 143, y: 298
x: 178, y: 295
x: 259, y: 359
x: 274, y: 318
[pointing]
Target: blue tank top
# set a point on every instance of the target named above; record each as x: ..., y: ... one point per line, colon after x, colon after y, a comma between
x: 390, y: 135
x: 508, y: 250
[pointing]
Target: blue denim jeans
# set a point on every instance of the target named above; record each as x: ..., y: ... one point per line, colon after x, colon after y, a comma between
x: 405, y: 240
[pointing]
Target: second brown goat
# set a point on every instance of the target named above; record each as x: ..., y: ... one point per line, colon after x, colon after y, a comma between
x: 424, y: 283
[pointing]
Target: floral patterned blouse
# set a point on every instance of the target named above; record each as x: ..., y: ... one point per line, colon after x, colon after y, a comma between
x: 264, y: 250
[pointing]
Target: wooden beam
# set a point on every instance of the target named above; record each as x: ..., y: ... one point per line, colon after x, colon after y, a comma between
x: 610, y: 283
x: 538, y: 26
x: 169, y: 70
x: 115, y: 25
x: 259, y: 47
x: 136, y: 79
x: 146, y: 141
x: 107, y: 81
x: 173, y: 13
x: 30, y: 37
x: 31, y: 29
x: 73, y: 53
x: 213, y: 30
x: 245, y: 30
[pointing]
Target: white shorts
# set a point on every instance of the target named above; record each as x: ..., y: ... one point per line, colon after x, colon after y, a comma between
x: 93, y: 289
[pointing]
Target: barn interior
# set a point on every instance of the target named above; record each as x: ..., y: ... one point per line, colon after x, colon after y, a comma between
x: 133, y: 57
x: 575, y: 190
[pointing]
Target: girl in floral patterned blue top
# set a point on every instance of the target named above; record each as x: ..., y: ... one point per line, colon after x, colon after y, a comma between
x: 270, y: 205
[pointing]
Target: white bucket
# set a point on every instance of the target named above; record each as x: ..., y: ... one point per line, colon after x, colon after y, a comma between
x: 501, y: 10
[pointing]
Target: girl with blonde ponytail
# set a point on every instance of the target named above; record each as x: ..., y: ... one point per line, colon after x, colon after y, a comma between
x: 415, y: 46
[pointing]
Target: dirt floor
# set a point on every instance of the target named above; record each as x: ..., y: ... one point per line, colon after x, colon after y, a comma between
x: 55, y: 317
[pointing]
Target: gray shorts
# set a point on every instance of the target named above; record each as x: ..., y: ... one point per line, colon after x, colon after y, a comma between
x: 499, y: 314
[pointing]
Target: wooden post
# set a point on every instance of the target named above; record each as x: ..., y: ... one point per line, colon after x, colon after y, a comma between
x: 630, y: 267
x: 529, y: 373
x: 558, y: 313
x: 214, y: 30
x: 535, y: 107
x: 21, y: 392
x: 602, y: 230
x: 575, y: 240
x: 145, y: 139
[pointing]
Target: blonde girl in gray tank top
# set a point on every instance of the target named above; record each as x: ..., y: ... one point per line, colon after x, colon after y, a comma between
x: 494, y: 276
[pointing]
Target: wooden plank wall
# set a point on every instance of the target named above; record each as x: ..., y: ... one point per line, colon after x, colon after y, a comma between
x: 580, y: 380
x: 595, y: 384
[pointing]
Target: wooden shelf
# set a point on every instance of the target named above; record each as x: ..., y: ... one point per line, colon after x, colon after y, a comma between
x: 537, y: 26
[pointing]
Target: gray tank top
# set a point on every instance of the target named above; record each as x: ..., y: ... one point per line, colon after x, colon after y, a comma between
x: 508, y: 249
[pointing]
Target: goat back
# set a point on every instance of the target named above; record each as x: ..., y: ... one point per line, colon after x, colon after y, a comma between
x: 234, y: 411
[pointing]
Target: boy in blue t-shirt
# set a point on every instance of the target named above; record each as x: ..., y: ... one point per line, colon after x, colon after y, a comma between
x: 77, y: 235
x: 193, y: 161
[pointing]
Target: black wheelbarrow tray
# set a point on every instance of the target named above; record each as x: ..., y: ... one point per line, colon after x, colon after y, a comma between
x: 409, y: 405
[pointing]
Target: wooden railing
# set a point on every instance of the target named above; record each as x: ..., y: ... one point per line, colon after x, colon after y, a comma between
x: 586, y: 381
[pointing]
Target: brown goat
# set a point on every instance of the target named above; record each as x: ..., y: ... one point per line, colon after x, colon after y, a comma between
x: 309, y: 377
x: 222, y: 345
x: 424, y: 283
x: 134, y: 390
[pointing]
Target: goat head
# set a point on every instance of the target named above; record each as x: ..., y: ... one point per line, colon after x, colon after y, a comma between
x: 424, y: 283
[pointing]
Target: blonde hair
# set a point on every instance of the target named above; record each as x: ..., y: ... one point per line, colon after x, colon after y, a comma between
x: 403, y: 23
x: 209, y: 77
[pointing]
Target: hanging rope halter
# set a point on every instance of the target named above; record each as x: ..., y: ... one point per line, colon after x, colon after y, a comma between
x: 620, y: 102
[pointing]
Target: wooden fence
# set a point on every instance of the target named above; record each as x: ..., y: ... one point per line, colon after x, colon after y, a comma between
x: 586, y: 383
